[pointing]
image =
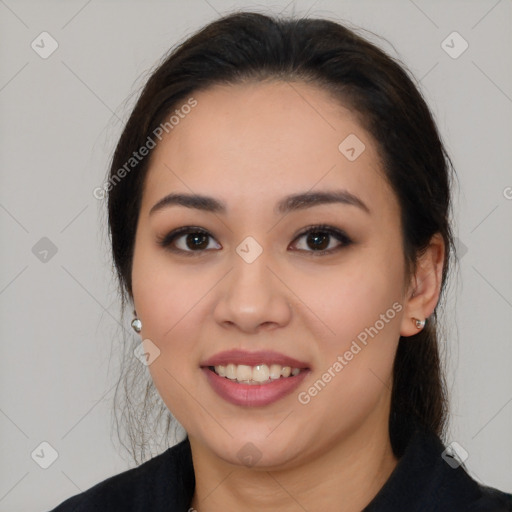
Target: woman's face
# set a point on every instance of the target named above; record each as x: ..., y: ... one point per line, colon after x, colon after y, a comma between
x: 253, y: 280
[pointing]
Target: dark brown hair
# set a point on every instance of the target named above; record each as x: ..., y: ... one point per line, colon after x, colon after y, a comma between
x: 246, y: 47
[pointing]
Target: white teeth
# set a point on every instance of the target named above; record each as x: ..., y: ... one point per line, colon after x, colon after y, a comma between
x: 258, y: 374
x: 243, y: 372
x: 231, y: 371
x: 275, y: 371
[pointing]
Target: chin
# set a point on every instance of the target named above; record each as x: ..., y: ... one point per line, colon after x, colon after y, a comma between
x: 256, y: 448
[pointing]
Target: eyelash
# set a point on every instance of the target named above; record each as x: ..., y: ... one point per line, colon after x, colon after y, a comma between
x: 166, y: 240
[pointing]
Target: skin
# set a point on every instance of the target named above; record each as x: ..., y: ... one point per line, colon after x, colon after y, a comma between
x: 250, y: 145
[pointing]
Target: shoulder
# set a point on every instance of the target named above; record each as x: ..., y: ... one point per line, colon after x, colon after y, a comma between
x: 492, y: 500
x: 164, y: 480
x: 428, y: 477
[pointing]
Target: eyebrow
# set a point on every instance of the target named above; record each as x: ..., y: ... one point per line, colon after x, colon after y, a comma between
x: 288, y: 204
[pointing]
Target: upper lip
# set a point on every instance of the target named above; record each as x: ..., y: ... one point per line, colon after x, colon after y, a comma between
x: 267, y: 357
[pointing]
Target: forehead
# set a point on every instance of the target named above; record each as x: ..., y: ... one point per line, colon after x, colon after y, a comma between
x: 265, y: 140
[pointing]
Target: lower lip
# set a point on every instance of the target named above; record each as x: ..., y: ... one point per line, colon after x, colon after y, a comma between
x: 253, y: 395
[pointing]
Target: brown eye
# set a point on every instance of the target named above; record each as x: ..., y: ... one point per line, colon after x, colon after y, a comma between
x: 318, y: 240
x: 196, y: 241
x: 322, y: 239
x: 187, y: 240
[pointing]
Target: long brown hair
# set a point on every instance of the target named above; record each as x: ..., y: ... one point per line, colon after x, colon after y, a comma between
x: 253, y: 47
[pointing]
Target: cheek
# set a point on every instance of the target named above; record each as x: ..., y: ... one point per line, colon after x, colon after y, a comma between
x: 354, y: 371
x: 360, y: 310
x: 169, y: 305
x: 164, y: 293
x: 168, y: 300
x: 348, y: 300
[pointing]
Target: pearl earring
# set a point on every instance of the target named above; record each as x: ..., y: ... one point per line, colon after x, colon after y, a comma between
x: 136, y: 325
x: 419, y: 323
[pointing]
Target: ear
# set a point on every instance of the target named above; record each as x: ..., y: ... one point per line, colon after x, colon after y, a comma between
x: 425, y: 286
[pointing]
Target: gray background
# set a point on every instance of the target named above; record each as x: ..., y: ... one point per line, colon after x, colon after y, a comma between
x: 60, y: 118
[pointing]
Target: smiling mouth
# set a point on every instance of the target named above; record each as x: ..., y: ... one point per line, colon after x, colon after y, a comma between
x: 255, y: 375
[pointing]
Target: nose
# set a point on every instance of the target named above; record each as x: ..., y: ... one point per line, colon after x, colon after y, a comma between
x: 252, y: 297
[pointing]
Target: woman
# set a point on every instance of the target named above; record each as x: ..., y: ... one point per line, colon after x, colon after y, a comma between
x: 279, y: 214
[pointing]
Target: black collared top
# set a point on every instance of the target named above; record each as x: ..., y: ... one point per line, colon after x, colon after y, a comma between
x: 422, y: 481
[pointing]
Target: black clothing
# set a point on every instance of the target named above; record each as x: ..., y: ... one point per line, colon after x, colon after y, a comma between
x: 422, y: 481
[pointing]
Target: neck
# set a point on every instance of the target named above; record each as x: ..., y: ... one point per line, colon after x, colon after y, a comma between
x: 349, y: 475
